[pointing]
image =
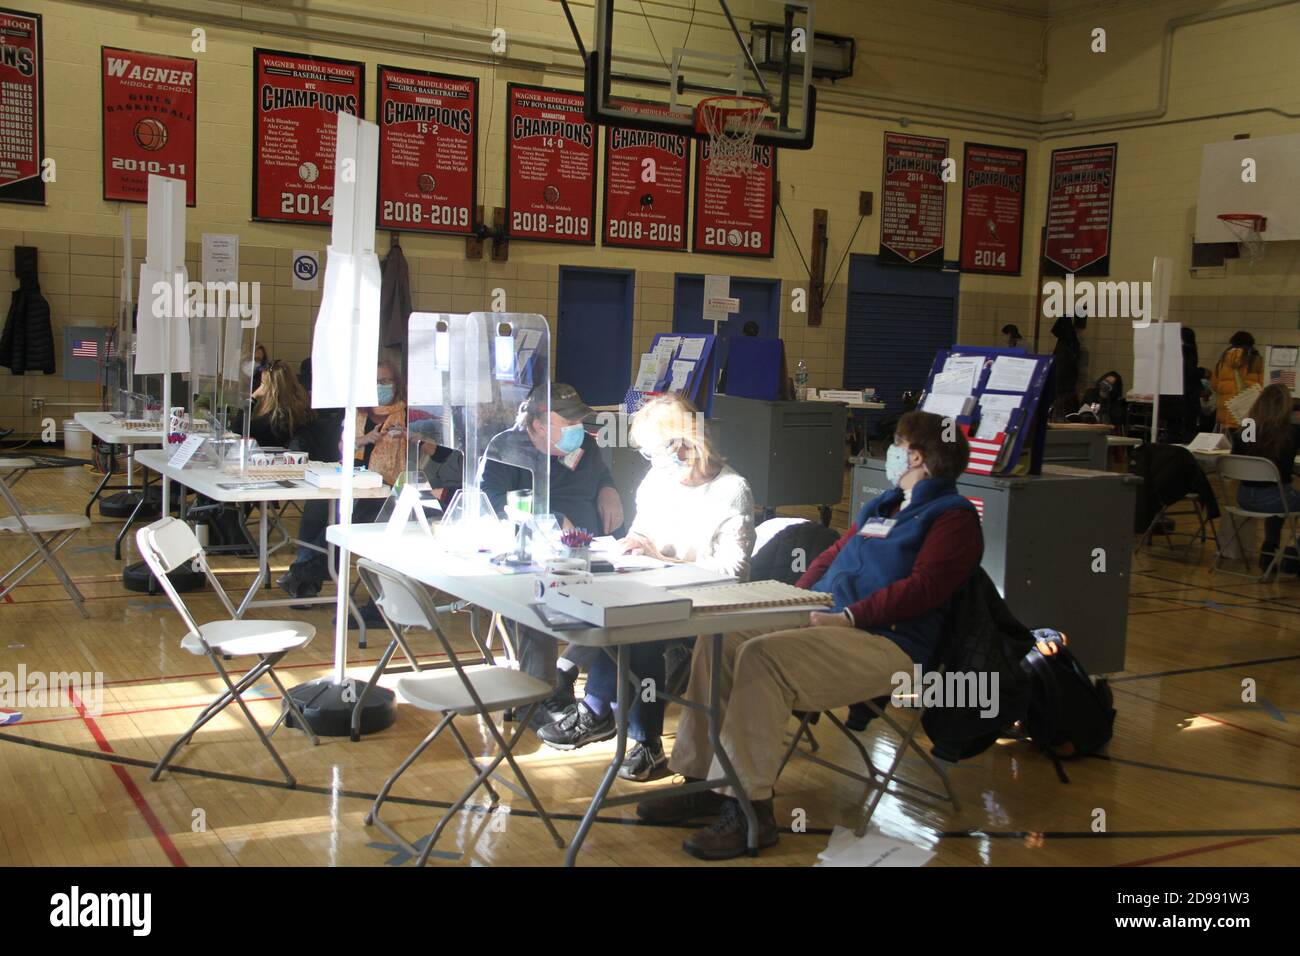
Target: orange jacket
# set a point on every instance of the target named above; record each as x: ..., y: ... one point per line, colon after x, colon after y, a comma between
x: 1224, y: 381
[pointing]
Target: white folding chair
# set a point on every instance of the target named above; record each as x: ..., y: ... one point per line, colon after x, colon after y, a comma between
x: 475, y: 692
x: 170, y: 543
x: 47, y: 532
x: 1250, y: 468
x: 878, y: 782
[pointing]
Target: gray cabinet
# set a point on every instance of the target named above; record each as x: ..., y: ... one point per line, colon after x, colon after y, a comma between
x: 1041, y: 541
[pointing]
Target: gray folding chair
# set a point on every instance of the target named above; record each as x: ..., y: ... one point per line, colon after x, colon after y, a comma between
x: 878, y: 783
x: 48, y: 534
x: 165, y: 546
x: 1169, y: 531
x: 1251, y: 468
x: 465, y: 693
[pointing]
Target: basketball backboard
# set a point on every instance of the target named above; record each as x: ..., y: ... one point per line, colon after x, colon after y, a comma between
x: 1260, y: 175
x: 673, y: 53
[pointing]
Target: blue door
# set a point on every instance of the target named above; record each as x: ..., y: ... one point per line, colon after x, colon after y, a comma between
x: 898, y: 318
x: 760, y: 302
x: 593, y: 349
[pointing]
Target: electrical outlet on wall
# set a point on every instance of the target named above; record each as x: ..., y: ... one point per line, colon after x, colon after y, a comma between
x: 38, y: 404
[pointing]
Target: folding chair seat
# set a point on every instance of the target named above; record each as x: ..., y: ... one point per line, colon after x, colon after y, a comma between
x: 467, y: 692
x: 165, y: 546
x: 877, y: 782
x: 48, y: 533
x: 1251, y: 468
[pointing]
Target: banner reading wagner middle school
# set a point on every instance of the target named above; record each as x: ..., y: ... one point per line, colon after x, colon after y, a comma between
x: 735, y: 215
x: 913, y: 203
x: 428, y: 151
x: 550, y: 166
x: 150, y: 123
x: 22, y: 110
x: 647, y: 186
x: 992, y: 209
x: 295, y: 99
x: 1080, y: 199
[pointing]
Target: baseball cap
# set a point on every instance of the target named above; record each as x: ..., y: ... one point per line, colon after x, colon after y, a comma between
x: 565, y: 402
x: 1011, y: 330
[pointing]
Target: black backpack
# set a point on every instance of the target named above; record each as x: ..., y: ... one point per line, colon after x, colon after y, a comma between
x: 1067, y: 710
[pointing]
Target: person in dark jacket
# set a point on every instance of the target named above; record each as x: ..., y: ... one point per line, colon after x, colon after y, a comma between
x: 27, y: 343
x: 889, y: 577
x: 1268, y: 433
x: 1191, y: 385
x: 1066, y: 359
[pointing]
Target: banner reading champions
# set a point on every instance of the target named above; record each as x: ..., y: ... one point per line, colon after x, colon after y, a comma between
x: 150, y: 125
x: 992, y: 209
x: 550, y: 166
x: 22, y: 113
x: 647, y: 185
x: 295, y: 99
x: 428, y: 151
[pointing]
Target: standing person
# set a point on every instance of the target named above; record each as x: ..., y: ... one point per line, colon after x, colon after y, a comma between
x: 1238, y: 368
x: 281, y: 407
x: 583, y: 495
x: 690, y: 508
x: 1066, y: 357
x: 1191, y: 385
x: 1273, y: 437
x: 891, y: 576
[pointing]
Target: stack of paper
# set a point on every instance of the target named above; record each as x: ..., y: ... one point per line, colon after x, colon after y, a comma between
x: 846, y: 849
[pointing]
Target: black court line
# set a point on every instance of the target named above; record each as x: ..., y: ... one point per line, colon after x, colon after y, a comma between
x: 1208, y: 667
x: 1189, y: 604
x: 121, y: 759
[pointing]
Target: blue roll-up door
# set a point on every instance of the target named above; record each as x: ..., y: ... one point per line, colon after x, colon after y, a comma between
x: 897, y: 319
x: 593, y: 348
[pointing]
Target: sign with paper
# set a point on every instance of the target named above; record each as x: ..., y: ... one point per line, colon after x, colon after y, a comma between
x: 1167, y: 377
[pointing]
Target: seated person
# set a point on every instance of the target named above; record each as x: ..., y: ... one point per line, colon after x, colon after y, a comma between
x: 1273, y: 437
x: 380, y: 446
x: 891, y: 576
x: 691, y: 508
x: 582, y: 493
x: 1104, y: 403
x: 281, y: 408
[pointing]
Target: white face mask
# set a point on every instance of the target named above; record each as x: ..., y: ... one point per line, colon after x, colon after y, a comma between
x: 896, y: 465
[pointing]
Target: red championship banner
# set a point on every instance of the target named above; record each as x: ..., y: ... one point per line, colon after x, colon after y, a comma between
x: 296, y: 100
x: 22, y: 112
x: 1080, y: 198
x: 150, y: 126
x: 550, y: 166
x: 647, y: 186
x: 428, y: 151
x: 914, y: 201
x: 992, y: 209
x: 735, y: 215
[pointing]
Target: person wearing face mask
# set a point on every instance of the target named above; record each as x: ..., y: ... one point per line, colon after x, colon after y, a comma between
x: 583, y: 495
x: 1103, y: 403
x: 690, y: 508
x: 890, y: 577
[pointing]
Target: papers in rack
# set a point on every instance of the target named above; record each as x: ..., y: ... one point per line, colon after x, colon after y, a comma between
x: 752, y: 594
x: 1010, y: 374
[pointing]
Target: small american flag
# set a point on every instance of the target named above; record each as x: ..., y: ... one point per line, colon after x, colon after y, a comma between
x: 979, y: 506
x: 85, y: 348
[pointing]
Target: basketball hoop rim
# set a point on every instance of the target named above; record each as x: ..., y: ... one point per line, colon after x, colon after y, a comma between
x: 1249, y: 220
x: 729, y: 104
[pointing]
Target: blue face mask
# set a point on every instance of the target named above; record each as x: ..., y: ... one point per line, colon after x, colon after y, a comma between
x: 570, y: 439
x: 385, y: 394
x: 896, y: 464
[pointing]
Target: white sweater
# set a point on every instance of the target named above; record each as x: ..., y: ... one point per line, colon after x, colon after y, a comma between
x: 710, y: 524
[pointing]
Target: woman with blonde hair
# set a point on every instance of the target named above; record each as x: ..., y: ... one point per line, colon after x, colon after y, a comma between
x: 280, y: 407
x: 690, y: 508
x: 1240, y: 367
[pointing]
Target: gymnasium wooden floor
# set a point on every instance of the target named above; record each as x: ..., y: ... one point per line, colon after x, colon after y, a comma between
x: 1193, y: 776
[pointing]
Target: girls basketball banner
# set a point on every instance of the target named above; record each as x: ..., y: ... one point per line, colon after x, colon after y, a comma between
x: 428, y: 151
x: 550, y: 166
x: 992, y: 209
x: 735, y: 215
x: 1080, y: 200
x: 22, y: 107
x: 914, y: 201
x: 647, y: 177
x: 295, y: 99
x: 150, y: 123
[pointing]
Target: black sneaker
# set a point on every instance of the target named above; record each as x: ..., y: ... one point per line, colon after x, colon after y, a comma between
x: 297, y: 587
x: 579, y: 726
x: 644, y: 762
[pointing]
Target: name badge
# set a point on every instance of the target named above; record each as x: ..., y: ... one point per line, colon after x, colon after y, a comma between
x: 877, y: 528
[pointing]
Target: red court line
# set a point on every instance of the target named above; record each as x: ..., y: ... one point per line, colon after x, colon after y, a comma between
x: 1217, y: 720
x: 1193, y: 852
x: 141, y: 804
x: 140, y: 710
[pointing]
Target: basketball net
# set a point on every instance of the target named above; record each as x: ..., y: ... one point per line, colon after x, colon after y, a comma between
x: 1248, y: 231
x: 732, y: 123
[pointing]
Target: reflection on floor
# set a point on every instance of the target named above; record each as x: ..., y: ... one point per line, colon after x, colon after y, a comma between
x: 1194, y: 774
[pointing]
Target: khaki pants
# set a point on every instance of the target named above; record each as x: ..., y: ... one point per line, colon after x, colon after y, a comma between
x: 765, y: 676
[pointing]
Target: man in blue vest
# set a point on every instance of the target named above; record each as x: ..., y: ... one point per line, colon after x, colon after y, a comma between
x: 891, y: 576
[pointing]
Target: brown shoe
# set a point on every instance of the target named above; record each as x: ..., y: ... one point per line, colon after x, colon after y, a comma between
x: 680, y: 807
x: 724, y: 839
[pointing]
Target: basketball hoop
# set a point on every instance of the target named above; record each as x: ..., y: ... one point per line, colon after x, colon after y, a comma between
x: 1247, y: 227
x: 732, y: 123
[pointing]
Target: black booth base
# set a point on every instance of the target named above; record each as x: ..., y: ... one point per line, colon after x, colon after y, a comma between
x: 328, y: 707
x: 137, y: 577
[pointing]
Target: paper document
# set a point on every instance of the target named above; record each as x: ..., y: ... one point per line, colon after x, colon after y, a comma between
x: 956, y: 382
x: 968, y: 366
x: 1010, y: 374
x: 999, y: 403
x: 847, y: 849
x: 949, y: 406
x: 991, y: 424
x: 693, y: 348
x: 681, y: 374
x: 647, y: 374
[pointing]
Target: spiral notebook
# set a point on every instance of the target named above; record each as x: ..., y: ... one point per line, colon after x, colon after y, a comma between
x: 737, y: 596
